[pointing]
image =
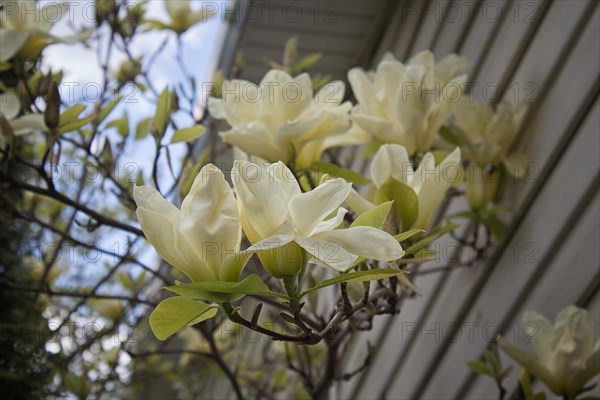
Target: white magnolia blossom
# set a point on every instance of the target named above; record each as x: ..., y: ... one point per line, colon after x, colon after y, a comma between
x: 485, y: 136
x: 429, y: 182
x: 407, y: 104
x: 280, y: 119
x: 566, y: 357
x: 25, y: 28
x: 181, y: 16
x: 9, y: 120
x: 275, y: 213
x: 202, y: 239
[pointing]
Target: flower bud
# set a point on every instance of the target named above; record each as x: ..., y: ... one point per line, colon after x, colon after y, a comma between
x: 481, y: 185
x: 285, y: 260
x: 52, y: 112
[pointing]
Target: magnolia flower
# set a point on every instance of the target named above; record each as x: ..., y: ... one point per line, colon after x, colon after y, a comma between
x: 181, y: 16
x: 429, y: 182
x: 485, y: 137
x: 566, y: 357
x: 284, y: 224
x: 407, y: 104
x: 280, y: 119
x: 25, y: 28
x: 11, y: 124
x: 202, y: 239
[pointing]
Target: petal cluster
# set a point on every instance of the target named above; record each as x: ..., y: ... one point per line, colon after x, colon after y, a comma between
x: 485, y: 135
x: 280, y: 119
x: 202, y: 239
x: 25, y: 28
x: 276, y: 213
x: 429, y: 181
x: 566, y: 357
x: 407, y: 104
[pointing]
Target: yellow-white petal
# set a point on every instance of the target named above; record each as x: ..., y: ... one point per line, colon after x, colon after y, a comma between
x: 10, y: 42
x: 529, y: 362
x: 147, y: 198
x: 328, y: 253
x: 209, y: 217
x: 254, y: 138
x: 262, y: 201
x: 172, y: 246
x: 28, y: 123
x: 365, y: 241
x: 9, y: 105
x: 310, y: 208
x: 391, y: 161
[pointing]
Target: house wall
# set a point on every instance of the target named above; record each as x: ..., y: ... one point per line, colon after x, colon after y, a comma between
x: 545, y: 53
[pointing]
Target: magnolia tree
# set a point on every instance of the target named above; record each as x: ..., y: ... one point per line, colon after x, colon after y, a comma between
x: 331, y: 207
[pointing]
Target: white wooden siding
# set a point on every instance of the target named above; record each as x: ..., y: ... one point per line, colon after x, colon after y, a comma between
x: 551, y: 257
x: 544, y: 52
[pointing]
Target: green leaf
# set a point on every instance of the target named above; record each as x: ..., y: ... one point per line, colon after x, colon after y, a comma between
x: 190, y: 172
x: 175, y: 313
x: 163, y: 112
x: 69, y: 119
x: 155, y: 24
x: 74, y: 125
x: 493, y: 361
x: 71, y: 113
x: 480, y: 368
x: 525, y: 383
x: 406, y: 201
x: 401, y: 237
x: 375, y: 217
x: 306, y: 62
x: 78, y: 385
x: 421, y: 256
x: 223, y: 292
x: 280, y: 379
x: 454, y: 135
x: 143, y: 128
x: 372, y: 148
x: 188, y: 134
x: 301, y: 394
x: 360, y: 276
x: 290, y: 51
x: 496, y: 226
x: 122, y: 125
x: 449, y: 135
x: 335, y: 171
x: 107, y: 155
x: 108, y: 109
x: 435, y: 233
x: 287, y: 318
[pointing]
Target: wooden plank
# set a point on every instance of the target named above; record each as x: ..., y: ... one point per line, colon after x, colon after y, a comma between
x: 459, y: 16
x: 432, y: 283
x: 455, y: 294
x: 576, y: 258
x: 411, y: 19
x: 330, y: 17
x: 526, y: 257
x: 434, y: 14
x: 518, y: 18
x: 400, y: 335
x: 479, y: 40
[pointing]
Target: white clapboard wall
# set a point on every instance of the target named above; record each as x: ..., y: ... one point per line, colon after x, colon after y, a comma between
x: 545, y: 53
